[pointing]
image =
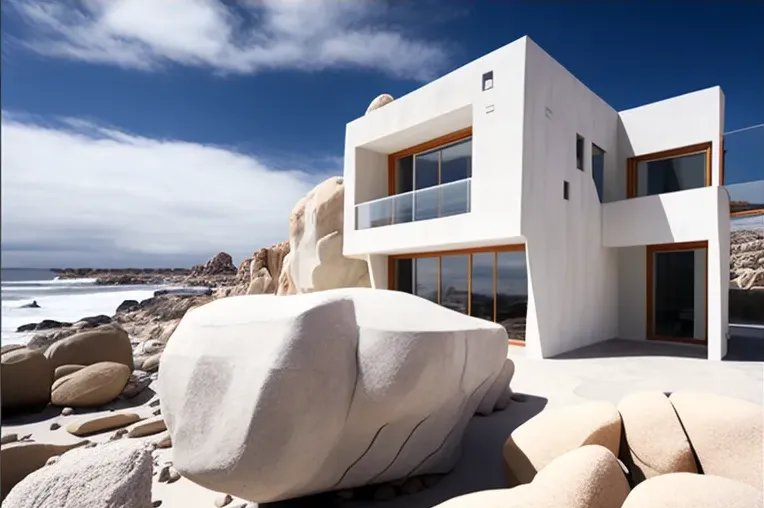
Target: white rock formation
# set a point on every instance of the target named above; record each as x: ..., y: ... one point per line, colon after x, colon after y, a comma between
x: 115, y: 474
x: 274, y: 398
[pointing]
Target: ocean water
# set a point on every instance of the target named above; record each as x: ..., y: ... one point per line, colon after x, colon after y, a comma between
x: 62, y: 300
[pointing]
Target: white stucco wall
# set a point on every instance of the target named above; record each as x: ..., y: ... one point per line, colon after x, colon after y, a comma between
x: 677, y: 217
x: 451, y: 103
x: 573, y: 279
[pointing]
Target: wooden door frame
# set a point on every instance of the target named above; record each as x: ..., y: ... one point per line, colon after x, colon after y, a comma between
x: 649, y: 276
x: 495, y: 250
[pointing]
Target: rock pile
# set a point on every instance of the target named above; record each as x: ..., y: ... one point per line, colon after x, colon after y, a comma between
x: 220, y: 264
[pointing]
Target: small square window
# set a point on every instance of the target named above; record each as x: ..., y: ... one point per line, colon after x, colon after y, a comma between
x: 565, y: 190
x: 487, y: 81
x: 580, y: 152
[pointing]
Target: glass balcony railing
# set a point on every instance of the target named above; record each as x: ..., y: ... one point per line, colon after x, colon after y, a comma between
x: 451, y: 198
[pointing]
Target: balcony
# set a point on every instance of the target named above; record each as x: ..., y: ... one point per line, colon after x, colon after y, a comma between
x: 444, y: 200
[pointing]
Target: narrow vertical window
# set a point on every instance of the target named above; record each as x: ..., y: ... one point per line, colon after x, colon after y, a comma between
x: 598, y: 170
x: 580, y: 152
x: 565, y: 190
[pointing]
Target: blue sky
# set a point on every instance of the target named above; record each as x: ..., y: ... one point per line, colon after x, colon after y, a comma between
x: 179, y: 131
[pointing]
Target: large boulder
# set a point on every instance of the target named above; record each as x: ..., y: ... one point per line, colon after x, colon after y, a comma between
x: 21, y: 458
x: 273, y: 398
x: 114, y: 474
x: 686, y: 490
x: 587, y: 477
x: 92, y: 386
x: 25, y: 378
x: 553, y: 432
x: 219, y: 264
x: 656, y: 442
x: 316, y: 225
x: 379, y: 101
x: 727, y: 435
x: 108, y: 343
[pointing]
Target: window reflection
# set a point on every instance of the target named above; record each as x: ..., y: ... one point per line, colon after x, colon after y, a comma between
x: 512, y: 292
x: 426, y: 278
x: 482, y: 285
x: 454, y: 285
x: 598, y: 170
x: 456, y: 162
x: 671, y: 175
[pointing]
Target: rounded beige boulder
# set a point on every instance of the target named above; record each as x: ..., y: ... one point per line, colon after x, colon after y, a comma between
x: 687, y: 490
x: 26, y: 377
x: 108, y: 343
x: 92, y: 386
x: 65, y: 370
x: 379, y: 101
x: 537, y: 442
x: 587, y: 477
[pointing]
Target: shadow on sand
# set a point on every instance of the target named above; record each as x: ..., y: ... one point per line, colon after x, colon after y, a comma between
x: 739, y: 349
x: 480, y: 466
x: 35, y: 415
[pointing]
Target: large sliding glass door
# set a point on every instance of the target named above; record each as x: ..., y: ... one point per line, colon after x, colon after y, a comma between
x: 489, y: 284
x: 677, y: 292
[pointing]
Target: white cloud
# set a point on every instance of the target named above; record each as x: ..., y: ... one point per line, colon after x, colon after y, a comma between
x: 245, y: 37
x: 78, y: 194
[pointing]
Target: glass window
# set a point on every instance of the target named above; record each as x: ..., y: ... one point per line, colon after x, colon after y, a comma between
x: 404, y: 174
x: 426, y: 170
x: 671, y: 175
x: 404, y: 275
x: 454, y: 285
x: 482, y: 285
x: 579, y: 152
x: 426, y: 278
x: 456, y: 162
x: 598, y: 170
x: 512, y: 292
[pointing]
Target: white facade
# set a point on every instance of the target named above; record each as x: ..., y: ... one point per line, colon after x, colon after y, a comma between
x: 586, y: 259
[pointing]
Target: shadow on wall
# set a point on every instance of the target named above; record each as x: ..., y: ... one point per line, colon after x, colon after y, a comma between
x: 480, y: 467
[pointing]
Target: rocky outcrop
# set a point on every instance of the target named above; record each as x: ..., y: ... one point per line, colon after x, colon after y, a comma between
x: 108, y: 343
x: 379, y: 101
x: 537, y: 442
x: 157, y: 317
x: 747, y: 258
x: 25, y: 379
x: 685, y: 490
x: 258, y: 274
x: 252, y: 385
x: 114, y: 474
x: 220, y: 264
x: 586, y: 477
x: 316, y: 225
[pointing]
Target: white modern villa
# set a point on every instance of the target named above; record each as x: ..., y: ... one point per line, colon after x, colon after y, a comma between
x: 509, y: 191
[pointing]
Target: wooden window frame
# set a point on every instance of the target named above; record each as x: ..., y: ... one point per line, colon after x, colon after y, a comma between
x: 495, y: 250
x: 633, y: 162
x: 442, y: 141
x: 649, y: 287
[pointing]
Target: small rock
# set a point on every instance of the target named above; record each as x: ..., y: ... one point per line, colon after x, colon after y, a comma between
x: 412, y: 485
x: 67, y: 411
x: 346, y: 494
x: 118, y: 434
x: 156, y: 504
x: 165, y: 441
x: 157, y: 412
x: 147, y: 427
x: 152, y: 363
x: 384, y: 493
x: 164, y: 474
x: 52, y: 460
x: 154, y: 403
x: 91, y: 445
x: 223, y: 500
x: 174, y: 476
x: 54, y: 426
x: 101, y: 424
x: 138, y: 381
x: 9, y: 438
x: 26, y: 437
x: 430, y: 480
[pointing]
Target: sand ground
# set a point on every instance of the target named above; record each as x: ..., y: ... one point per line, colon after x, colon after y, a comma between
x: 605, y: 371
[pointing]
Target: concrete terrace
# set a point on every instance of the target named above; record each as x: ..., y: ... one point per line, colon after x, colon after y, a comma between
x: 604, y: 371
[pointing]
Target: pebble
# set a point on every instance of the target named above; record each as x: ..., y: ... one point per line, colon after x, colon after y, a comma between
x: 9, y: 438
x: 384, y: 493
x: 164, y: 442
x: 25, y: 438
x: 52, y: 460
x: 157, y: 412
x: 174, y: 476
x: 223, y: 500
x: 67, y: 411
x: 54, y: 426
x: 412, y: 485
x: 156, y: 504
x: 118, y: 434
x: 164, y: 474
x: 154, y: 403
